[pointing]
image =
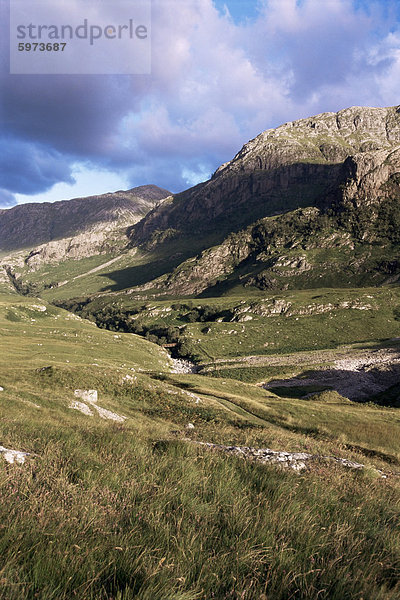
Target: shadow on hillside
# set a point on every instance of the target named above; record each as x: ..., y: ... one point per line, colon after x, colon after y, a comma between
x: 382, y: 344
x: 232, y: 202
x: 205, y: 215
x: 133, y: 276
x: 158, y: 265
x: 162, y: 260
x: 380, y: 385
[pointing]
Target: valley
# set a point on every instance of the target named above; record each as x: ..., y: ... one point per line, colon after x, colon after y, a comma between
x: 200, y: 392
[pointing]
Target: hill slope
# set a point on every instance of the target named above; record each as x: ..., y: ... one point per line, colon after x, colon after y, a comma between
x: 106, y: 492
x: 282, y: 169
x: 31, y: 224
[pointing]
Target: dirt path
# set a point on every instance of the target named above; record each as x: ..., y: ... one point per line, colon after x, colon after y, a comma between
x: 94, y: 270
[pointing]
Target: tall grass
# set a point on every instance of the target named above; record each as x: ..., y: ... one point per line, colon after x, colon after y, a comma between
x: 102, y: 511
x: 121, y: 518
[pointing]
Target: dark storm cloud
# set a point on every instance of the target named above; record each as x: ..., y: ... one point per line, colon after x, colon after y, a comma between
x: 30, y: 168
x: 215, y: 83
x: 75, y: 114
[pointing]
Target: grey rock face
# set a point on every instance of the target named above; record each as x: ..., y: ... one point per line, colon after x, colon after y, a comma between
x: 32, y: 224
x: 293, y: 165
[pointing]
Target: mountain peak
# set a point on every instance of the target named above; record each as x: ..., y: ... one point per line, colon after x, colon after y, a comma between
x: 291, y: 166
x: 30, y: 224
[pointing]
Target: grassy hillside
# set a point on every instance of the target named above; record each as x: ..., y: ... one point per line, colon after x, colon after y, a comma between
x: 247, y: 471
x: 222, y: 329
x: 34, y: 333
x: 106, y: 509
x: 112, y: 271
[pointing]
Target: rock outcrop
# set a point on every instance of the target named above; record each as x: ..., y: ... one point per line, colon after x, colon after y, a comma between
x: 297, y: 461
x: 292, y: 166
x: 13, y: 456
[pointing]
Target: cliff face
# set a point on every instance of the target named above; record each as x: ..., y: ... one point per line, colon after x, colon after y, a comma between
x: 339, y: 221
x: 295, y: 165
x: 31, y: 224
x: 313, y: 203
x: 368, y: 202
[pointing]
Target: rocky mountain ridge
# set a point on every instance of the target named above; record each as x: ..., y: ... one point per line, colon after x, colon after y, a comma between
x: 295, y: 165
x: 33, y: 224
x: 313, y: 203
x: 351, y: 239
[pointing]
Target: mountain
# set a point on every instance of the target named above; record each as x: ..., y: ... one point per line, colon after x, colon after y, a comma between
x: 28, y: 225
x: 315, y: 202
x: 292, y: 166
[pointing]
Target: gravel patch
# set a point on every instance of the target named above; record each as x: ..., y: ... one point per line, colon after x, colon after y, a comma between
x: 355, y: 377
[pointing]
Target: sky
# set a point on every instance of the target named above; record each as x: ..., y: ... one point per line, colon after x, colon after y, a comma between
x: 222, y: 72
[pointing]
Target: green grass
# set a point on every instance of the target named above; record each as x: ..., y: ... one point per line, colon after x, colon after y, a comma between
x: 73, y: 277
x: 326, y: 418
x: 253, y: 374
x: 104, y: 510
x: 36, y: 337
x: 106, y: 513
x: 305, y: 326
x: 186, y: 524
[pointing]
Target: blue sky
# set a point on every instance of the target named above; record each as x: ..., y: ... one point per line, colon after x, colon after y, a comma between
x: 222, y: 72
x: 240, y: 10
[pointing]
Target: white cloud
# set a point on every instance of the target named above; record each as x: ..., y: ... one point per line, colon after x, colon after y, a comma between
x: 88, y: 182
x: 215, y: 84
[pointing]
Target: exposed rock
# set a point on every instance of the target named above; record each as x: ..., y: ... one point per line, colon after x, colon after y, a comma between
x: 90, y: 397
x: 128, y: 378
x: 290, y: 266
x: 298, y: 461
x: 179, y: 365
x: 99, y: 239
x: 82, y: 407
x: 196, y: 399
x: 86, y: 395
x: 273, y: 307
x: 13, y: 456
x: 30, y: 224
x: 244, y: 318
x: 108, y: 414
x: 362, y: 208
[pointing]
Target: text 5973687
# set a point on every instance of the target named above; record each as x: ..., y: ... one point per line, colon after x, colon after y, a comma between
x: 41, y: 47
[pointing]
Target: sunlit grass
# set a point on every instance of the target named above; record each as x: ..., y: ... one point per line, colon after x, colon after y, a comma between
x: 106, y: 511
